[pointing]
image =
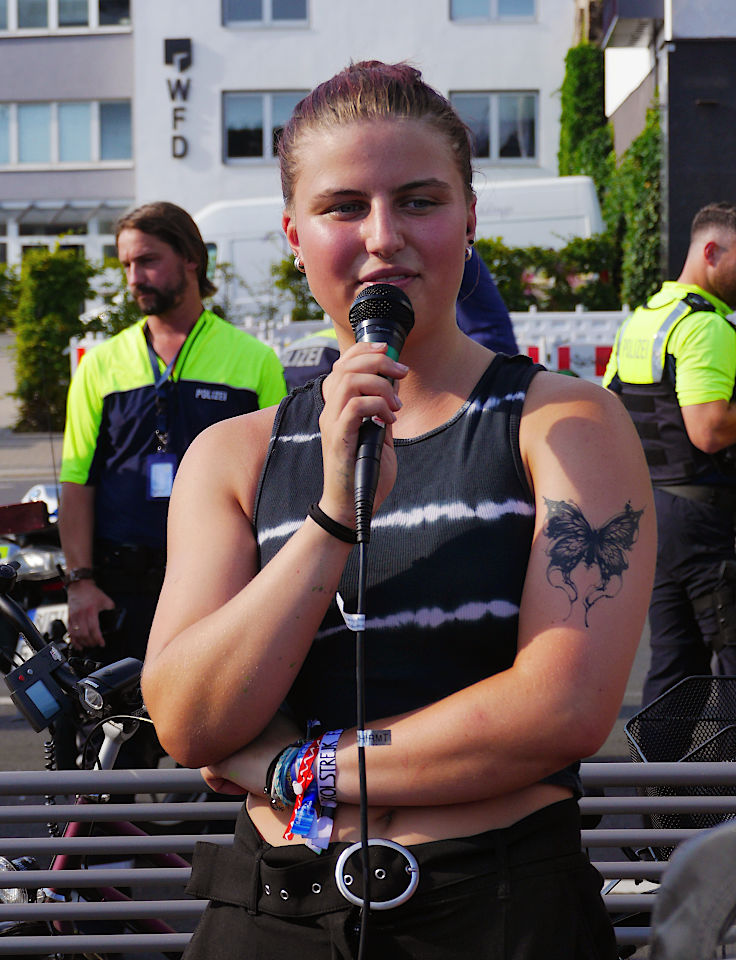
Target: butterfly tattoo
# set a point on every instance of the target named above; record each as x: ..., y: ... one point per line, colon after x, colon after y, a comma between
x: 573, y: 541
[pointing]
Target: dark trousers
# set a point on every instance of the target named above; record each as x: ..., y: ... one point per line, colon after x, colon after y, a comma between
x: 527, y: 892
x: 693, y: 540
x: 132, y: 578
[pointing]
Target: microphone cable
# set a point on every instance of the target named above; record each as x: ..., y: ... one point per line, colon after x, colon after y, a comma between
x: 381, y: 313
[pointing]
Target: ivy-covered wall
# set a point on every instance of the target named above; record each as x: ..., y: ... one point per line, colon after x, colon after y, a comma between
x: 629, y: 187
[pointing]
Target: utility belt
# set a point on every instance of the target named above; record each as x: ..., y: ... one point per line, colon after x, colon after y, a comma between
x: 129, y: 566
x: 722, y: 498
x: 295, y: 882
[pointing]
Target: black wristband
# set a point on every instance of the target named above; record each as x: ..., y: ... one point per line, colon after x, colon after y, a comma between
x: 335, y: 529
x: 77, y: 575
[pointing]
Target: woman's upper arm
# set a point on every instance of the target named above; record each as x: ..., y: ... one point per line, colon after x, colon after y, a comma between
x: 591, y: 565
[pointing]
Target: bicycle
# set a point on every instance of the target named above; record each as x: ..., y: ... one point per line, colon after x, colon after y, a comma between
x: 44, y: 686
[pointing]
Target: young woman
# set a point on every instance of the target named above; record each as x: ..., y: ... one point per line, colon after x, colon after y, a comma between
x: 510, y: 567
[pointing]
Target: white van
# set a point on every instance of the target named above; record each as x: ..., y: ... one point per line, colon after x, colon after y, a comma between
x: 247, y: 234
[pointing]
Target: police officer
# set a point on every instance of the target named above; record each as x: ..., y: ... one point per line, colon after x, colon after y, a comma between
x: 674, y: 366
x: 135, y: 404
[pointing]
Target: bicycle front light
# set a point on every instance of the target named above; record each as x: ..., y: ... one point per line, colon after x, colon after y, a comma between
x: 11, y: 894
x: 89, y: 694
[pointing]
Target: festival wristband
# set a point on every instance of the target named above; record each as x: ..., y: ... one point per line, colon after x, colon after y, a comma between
x: 327, y: 769
x: 302, y: 782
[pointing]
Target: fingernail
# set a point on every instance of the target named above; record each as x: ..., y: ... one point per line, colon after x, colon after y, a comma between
x: 397, y: 402
x: 402, y: 366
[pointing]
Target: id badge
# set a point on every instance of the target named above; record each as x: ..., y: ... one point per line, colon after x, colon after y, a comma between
x: 160, y: 470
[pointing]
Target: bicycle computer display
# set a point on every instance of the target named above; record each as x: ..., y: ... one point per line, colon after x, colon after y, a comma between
x: 34, y: 689
x: 43, y: 698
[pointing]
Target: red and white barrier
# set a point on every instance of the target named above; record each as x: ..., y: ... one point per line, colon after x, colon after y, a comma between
x: 587, y: 360
x: 78, y: 346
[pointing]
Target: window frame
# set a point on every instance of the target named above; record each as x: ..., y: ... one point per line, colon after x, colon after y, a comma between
x: 267, y: 20
x: 54, y: 162
x: 494, y: 97
x: 493, y: 15
x: 267, y: 114
x: 52, y: 21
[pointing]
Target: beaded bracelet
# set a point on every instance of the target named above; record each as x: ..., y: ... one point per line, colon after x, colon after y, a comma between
x: 335, y: 529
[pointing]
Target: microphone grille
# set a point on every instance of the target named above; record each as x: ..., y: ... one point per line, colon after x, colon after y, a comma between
x: 381, y: 301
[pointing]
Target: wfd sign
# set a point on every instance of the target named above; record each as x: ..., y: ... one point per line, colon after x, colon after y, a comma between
x: 178, y: 53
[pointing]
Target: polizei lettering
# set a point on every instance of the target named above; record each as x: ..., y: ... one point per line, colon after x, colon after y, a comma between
x: 635, y: 349
x: 204, y: 393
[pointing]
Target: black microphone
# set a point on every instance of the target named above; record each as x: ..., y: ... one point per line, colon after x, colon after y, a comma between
x: 382, y: 313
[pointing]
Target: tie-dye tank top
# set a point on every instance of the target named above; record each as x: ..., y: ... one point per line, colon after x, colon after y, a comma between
x: 446, y: 561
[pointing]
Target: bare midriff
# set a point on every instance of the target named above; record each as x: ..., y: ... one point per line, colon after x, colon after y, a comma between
x: 409, y: 825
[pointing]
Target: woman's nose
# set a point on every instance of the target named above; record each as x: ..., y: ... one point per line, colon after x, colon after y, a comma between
x: 383, y: 233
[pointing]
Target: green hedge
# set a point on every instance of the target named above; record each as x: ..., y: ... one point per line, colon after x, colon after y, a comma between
x: 53, y: 288
x: 578, y: 274
x: 9, y: 292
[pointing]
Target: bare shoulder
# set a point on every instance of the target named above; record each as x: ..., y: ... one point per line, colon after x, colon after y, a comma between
x: 555, y: 399
x: 228, y: 456
x: 578, y: 436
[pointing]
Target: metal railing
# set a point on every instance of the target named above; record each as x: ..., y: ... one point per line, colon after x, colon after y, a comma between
x: 143, y: 881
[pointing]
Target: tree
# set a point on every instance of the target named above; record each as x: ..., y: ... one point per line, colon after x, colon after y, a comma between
x: 9, y: 291
x: 53, y: 288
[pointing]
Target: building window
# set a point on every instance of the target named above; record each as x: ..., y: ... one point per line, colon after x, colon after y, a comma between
x: 33, y: 13
x: 63, y: 14
x: 4, y: 133
x: 74, y: 132
x: 492, y: 9
x: 115, y: 130
x: 114, y: 13
x: 65, y: 133
x: 253, y: 123
x: 34, y: 133
x: 264, y: 11
x: 503, y: 125
x: 73, y: 13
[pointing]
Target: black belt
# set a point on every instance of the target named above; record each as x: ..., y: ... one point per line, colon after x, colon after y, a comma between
x: 129, y: 568
x: 295, y: 882
x: 723, y: 498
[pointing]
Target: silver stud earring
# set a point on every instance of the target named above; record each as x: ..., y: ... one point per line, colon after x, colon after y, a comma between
x: 468, y: 253
x: 299, y: 264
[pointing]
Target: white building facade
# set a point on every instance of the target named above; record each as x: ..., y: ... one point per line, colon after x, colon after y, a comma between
x: 109, y: 103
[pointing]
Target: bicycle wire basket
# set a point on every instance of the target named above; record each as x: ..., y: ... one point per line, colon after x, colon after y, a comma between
x: 693, y: 721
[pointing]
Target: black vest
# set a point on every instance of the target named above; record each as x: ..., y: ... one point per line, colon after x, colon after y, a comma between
x: 654, y: 408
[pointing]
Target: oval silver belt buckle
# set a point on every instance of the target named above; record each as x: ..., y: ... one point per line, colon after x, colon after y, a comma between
x: 412, y: 868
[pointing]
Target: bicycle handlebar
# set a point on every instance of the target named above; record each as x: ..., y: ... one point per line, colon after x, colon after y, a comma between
x: 47, y: 685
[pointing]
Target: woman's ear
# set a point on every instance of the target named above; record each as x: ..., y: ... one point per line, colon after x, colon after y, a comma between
x: 288, y: 225
x: 472, y: 222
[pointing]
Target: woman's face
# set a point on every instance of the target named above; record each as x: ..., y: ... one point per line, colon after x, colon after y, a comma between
x: 380, y: 202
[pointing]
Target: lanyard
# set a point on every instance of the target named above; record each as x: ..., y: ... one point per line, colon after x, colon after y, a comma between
x: 162, y: 385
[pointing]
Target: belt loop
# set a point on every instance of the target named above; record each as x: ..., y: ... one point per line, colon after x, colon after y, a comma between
x: 255, y: 892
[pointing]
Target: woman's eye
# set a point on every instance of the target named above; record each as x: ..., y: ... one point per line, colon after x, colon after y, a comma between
x: 346, y: 208
x: 420, y: 203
